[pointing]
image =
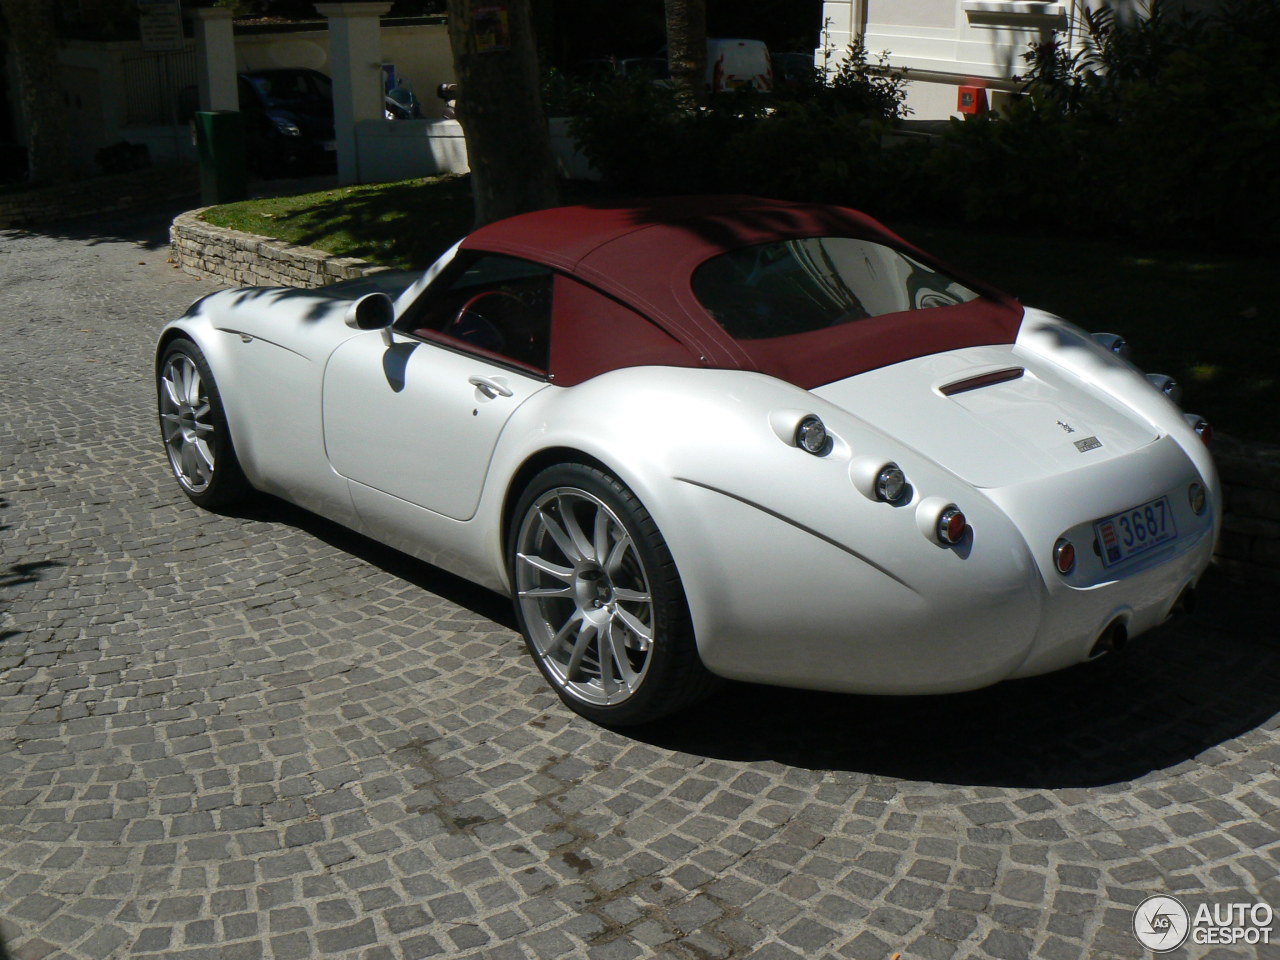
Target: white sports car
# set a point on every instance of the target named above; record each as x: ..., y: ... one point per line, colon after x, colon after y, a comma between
x: 720, y: 437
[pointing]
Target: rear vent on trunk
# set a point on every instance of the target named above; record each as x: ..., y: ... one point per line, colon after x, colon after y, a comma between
x: 982, y: 380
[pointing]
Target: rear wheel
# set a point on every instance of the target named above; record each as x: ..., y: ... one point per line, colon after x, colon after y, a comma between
x: 599, y: 599
x: 194, y: 428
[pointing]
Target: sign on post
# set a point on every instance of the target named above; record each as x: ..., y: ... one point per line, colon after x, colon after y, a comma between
x: 492, y: 28
x: 160, y: 25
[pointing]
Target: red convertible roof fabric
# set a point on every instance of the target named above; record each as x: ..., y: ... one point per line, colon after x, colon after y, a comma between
x: 644, y: 254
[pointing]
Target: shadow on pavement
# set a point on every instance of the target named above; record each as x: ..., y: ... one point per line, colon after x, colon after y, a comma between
x: 463, y: 593
x: 1170, y: 695
x: 147, y: 225
x: 18, y: 574
x: 13, y: 576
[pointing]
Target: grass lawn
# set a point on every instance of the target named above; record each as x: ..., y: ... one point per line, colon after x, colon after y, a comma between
x: 1208, y: 319
x: 406, y: 224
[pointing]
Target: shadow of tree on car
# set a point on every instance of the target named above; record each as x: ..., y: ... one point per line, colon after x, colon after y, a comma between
x: 1171, y: 695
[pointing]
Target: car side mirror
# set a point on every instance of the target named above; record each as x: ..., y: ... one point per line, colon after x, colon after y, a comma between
x: 373, y: 311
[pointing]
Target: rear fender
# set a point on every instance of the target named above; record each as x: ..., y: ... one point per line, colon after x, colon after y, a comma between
x: 745, y: 511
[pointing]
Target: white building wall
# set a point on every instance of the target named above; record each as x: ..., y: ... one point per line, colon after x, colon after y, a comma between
x: 92, y: 77
x: 95, y: 89
x: 942, y: 44
x: 400, y: 149
x: 421, y: 54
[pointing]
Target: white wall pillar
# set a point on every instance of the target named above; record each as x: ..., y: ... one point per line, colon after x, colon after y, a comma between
x: 215, y: 58
x: 842, y: 21
x: 355, y: 57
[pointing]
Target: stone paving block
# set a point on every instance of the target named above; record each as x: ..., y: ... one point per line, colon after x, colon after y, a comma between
x: 253, y: 736
x: 808, y: 935
x: 1007, y: 946
x: 866, y: 946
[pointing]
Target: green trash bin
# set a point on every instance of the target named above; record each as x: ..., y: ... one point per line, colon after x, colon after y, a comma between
x: 220, y: 145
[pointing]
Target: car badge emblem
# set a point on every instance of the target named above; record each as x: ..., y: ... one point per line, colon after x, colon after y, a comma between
x: 1066, y: 426
x: 1087, y: 444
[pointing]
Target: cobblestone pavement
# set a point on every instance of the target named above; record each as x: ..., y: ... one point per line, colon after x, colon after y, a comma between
x: 261, y: 736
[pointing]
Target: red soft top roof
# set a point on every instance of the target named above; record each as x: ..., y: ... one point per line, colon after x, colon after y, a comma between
x: 644, y: 254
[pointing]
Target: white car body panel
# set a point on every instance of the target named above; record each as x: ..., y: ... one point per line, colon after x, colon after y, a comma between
x: 1006, y: 433
x: 794, y: 573
x: 424, y: 431
x: 267, y: 349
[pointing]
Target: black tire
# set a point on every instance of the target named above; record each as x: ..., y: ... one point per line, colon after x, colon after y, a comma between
x: 193, y: 427
x: 588, y: 600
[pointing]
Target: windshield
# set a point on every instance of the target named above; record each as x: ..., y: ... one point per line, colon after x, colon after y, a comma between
x: 287, y: 88
x: 795, y: 286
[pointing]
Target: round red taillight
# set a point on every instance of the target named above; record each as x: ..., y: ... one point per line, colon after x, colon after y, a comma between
x: 952, y: 525
x: 1201, y: 426
x: 1064, y: 556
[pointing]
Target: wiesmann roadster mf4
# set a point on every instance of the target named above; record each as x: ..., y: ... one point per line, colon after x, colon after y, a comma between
x: 721, y: 437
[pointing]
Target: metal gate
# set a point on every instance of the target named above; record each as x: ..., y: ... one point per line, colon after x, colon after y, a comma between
x: 152, y: 82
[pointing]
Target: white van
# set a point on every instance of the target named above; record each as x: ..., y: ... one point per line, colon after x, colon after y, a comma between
x: 733, y: 64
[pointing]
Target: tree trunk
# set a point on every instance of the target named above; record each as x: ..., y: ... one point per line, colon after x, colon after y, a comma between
x: 30, y: 26
x: 500, y: 108
x: 687, y: 48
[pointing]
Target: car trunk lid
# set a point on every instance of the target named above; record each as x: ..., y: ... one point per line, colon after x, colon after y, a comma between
x: 992, y: 415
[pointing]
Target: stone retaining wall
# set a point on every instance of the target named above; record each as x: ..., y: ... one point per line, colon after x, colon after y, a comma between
x: 82, y: 198
x: 1250, y: 544
x: 246, y: 260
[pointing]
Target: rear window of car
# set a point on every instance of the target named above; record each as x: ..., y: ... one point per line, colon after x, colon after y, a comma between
x: 795, y: 286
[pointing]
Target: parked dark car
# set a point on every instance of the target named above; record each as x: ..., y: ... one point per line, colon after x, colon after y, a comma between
x: 795, y: 71
x: 288, y: 120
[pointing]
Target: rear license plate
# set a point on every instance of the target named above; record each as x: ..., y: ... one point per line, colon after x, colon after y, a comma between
x: 1135, y: 531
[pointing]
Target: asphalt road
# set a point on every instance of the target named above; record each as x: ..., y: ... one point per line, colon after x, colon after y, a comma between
x: 260, y: 736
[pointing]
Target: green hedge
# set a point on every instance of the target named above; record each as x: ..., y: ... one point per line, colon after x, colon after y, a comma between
x: 1165, y: 127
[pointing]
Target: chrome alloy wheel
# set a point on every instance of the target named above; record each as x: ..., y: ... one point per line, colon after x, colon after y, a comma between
x: 185, y: 419
x: 584, y: 596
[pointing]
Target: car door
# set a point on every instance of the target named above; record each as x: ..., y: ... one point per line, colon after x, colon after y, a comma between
x: 418, y: 418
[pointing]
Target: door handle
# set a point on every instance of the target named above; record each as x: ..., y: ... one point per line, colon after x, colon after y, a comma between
x: 490, y: 388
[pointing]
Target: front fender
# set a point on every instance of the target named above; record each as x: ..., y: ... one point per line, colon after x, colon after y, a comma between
x: 267, y: 348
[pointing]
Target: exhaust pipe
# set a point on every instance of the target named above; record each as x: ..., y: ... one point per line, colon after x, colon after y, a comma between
x: 1185, y: 605
x: 1112, y: 639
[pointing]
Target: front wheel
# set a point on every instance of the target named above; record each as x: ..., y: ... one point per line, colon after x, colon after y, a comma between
x: 194, y: 428
x: 599, y: 599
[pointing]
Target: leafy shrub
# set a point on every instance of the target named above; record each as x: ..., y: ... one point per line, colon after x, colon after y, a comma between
x: 1162, y: 127
x: 642, y: 138
x: 1159, y: 127
x: 860, y: 88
